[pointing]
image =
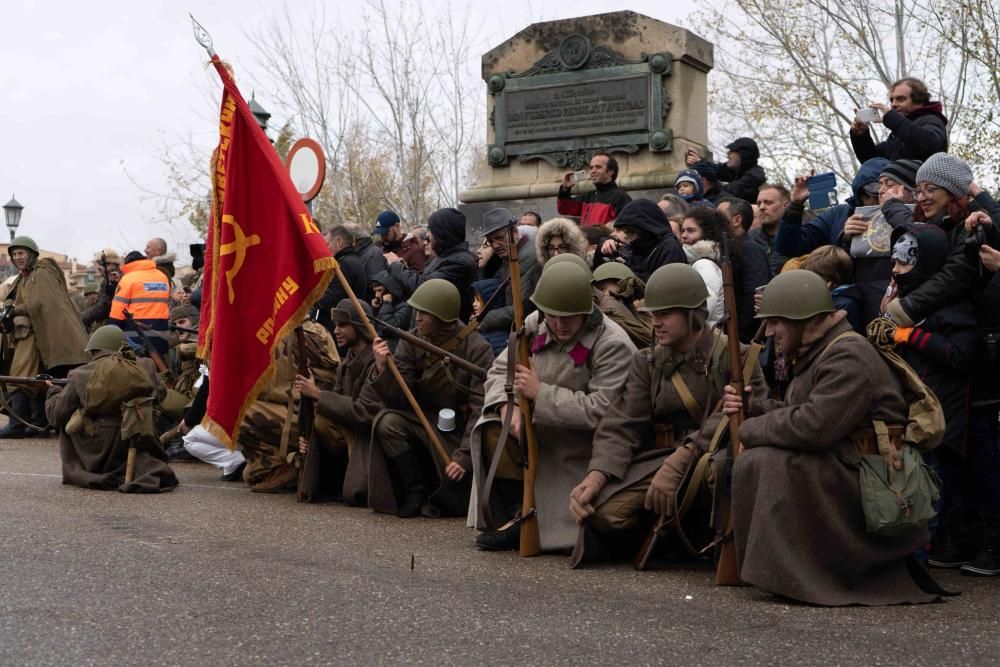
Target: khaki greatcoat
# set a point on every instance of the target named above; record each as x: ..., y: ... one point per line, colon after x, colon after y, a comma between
x: 97, y: 460
x: 800, y: 530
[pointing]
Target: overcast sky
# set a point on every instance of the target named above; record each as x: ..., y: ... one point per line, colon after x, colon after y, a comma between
x: 92, y: 89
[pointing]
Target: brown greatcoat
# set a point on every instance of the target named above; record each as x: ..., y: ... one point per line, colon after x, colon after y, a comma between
x: 43, y: 297
x: 620, y: 308
x: 625, y: 445
x: 351, y: 414
x: 435, y: 387
x: 98, y: 461
x: 800, y: 529
x: 579, y: 381
x: 271, y: 423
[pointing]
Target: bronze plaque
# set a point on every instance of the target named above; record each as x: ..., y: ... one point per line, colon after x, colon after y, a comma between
x: 595, y: 107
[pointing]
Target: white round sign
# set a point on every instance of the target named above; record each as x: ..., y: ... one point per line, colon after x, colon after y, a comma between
x: 307, y: 168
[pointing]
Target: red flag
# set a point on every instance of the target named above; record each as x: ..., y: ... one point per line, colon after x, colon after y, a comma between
x: 266, y: 263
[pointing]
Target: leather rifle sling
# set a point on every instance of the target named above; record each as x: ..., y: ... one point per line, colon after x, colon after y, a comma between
x: 484, y: 501
x: 701, y: 468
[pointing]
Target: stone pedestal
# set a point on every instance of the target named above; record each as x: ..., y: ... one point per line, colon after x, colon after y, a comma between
x: 559, y: 91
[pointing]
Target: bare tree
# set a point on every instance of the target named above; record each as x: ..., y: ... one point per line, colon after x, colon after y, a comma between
x: 791, y: 73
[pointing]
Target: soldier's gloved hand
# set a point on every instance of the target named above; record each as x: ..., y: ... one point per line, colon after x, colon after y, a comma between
x: 663, y: 488
x: 582, y: 496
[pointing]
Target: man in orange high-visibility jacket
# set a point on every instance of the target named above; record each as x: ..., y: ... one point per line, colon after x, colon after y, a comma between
x: 144, y: 291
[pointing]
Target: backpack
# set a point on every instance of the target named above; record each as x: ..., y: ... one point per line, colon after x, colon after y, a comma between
x: 117, y: 378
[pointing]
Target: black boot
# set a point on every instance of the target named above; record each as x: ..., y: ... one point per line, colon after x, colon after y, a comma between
x: 987, y: 561
x: 508, y: 536
x: 956, y: 542
x: 20, y: 404
x: 38, y: 417
x: 408, y: 472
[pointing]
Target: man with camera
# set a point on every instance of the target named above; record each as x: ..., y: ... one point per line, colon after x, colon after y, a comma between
x: 916, y: 125
x: 603, y: 203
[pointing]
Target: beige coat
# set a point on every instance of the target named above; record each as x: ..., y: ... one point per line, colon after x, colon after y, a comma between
x: 579, y: 380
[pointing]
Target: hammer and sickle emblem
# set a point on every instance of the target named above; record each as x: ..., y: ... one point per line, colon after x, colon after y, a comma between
x: 237, y: 246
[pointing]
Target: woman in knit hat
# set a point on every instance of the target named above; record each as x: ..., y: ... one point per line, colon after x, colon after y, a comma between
x: 947, y: 196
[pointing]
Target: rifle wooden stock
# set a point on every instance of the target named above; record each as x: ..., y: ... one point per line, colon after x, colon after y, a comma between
x: 307, y: 412
x: 31, y: 381
x: 431, y: 433
x: 530, y: 540
x: 434, y: 349
x: 727, y: 572
x: 150, y: 350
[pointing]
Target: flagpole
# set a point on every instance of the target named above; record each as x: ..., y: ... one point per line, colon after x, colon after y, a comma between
x: 201, y: 36
x: 411, y: 399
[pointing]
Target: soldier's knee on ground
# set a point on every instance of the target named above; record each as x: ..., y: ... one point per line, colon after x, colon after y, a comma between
x: 391, y: 431
x: 510, y: 466
x: 622, y: 510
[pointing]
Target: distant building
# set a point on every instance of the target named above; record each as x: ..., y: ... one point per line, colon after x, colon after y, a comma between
x: 77, y: 274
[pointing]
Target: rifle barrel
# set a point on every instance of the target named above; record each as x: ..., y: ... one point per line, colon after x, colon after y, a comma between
x: 27, y: 381
x: 465, y: 365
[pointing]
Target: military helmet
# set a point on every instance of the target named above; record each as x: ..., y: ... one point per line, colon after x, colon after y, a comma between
x: 566, y: 257
x: 564, y: 290
x: 612, y: 271
x: 25, y: 242
x: 90, y: 288
x: 674, y: 286
x: 796, y: 295
x: 108, y: 338
x: 438, y: 297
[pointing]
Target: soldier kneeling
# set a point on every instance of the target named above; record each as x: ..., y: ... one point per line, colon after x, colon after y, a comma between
x: 406, y: 475
x: 640, y: 458
x: 88, y: 414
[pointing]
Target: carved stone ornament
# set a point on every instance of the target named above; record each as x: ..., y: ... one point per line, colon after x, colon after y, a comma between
x: 577, y: 159
x: 576, y: 52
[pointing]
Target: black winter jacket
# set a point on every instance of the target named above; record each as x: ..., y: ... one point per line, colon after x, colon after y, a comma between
x: 916, y: 136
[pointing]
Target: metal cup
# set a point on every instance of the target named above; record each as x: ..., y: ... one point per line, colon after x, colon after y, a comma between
x: 446, y: 420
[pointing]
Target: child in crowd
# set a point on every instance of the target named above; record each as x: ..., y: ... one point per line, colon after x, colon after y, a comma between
x: 833, y: 264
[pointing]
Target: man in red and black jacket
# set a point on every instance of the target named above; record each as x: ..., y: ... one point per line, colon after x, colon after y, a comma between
x: 600, y: 205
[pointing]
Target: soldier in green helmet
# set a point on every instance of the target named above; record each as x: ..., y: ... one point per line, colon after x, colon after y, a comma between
x: 619, y: 293
x: 579, y: 360
x: 45, y: 331
x: 88, y: 413
x: 639, y: 456
x: 406, y: 476
x: 799, y: 526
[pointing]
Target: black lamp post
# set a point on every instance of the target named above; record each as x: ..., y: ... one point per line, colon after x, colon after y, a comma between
x: 259, y: 113
x: 12, y: 211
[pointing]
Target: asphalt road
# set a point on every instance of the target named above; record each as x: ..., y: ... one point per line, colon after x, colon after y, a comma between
x: 213, y: 574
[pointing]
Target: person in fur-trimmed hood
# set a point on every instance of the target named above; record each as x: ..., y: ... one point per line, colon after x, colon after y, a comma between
x: 558, y: 236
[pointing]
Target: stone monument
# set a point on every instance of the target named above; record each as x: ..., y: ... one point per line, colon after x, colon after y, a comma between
x: 559, y: 91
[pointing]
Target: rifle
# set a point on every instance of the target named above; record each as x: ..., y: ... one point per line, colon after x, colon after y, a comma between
x: 416, y: 341
x: 150, y: 350
x: 106, y: 282
x: 530, y: 540
x: 174, y: 327
x: 727, y: 572
x: 307, y: 407
x: 35, y: 381
x: 410, y: 398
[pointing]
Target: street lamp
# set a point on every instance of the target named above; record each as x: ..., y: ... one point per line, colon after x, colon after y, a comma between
x: 259, y: 113
x: 12, y: 211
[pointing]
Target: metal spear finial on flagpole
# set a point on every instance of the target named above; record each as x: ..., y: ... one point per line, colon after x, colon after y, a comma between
x: 201, y: 35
